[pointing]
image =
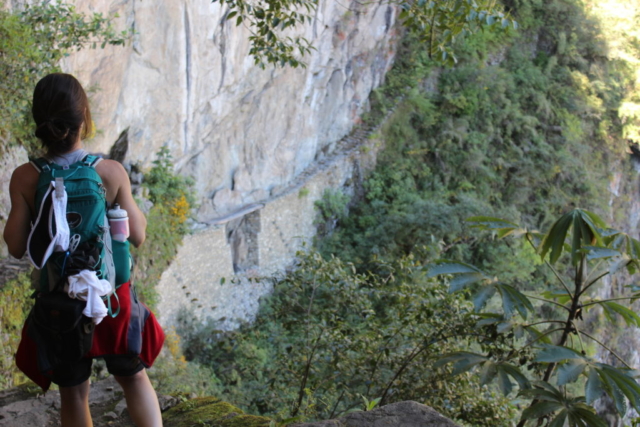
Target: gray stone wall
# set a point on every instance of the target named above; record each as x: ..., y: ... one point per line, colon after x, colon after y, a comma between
x: 273, y: 232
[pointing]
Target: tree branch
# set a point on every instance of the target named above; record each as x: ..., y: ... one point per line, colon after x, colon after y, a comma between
x: 606, y: 348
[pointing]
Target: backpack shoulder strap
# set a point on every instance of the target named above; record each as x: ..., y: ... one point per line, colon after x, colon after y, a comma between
x: 40, y: 164
x: 91, y: 161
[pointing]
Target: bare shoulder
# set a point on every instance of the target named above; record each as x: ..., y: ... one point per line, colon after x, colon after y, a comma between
x: 111, y: 172
x: 25, y: 176
x: 110, y: 167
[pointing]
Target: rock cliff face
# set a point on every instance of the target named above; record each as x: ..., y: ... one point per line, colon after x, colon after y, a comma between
x: 186, y: 82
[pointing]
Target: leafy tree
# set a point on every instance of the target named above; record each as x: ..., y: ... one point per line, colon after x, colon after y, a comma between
x: 562, y: 378
x: 329, y: 336
x: 33, y: 40
x: 437, y: 23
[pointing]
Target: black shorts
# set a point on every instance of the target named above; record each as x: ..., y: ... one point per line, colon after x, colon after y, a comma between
x: 73, y: 374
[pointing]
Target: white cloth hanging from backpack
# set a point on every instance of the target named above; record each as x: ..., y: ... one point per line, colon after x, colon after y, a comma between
x: 43, y: 240
x: 59, y: 211
x: 86, y: 286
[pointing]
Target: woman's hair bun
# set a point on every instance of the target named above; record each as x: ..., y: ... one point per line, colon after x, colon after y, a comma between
x: 52, y: 130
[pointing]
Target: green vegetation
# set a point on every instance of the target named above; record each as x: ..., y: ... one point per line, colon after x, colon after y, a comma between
x: 525, y: 127
x: 437, y: 24
x: 552, y: 340
x: 525, y: 139
x: 172, y: 198
x: 15, y: 304
x: 209, y: 411
x: 33, y: 40
x: 329, y: 336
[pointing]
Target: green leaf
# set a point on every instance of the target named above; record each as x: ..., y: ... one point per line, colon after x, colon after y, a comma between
x: 553, y: 354
x: 482, y: 296
x: 587, y: 415
x: 537, y: 335
x: 597, y: 252
x: 450, y: 267
x: 554, y: 239
x: 559, y: 420
x: 570, y: 371
x: 516, y: 374
x: 623, y: 382
x: 540, y: 410
x: 504, y: 383
x: 462, y: 361
x: 463, y: 280
x: 585, y: 232
x: 594, y: 387
x: 513, y: 298
x: 629, y: 316
x: 543, y: 391
x: 489, y: 319
x: 487, y: 372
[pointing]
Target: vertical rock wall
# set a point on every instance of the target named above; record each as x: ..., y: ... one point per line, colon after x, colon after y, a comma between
x: 245, y: 135
x: 186, y: 82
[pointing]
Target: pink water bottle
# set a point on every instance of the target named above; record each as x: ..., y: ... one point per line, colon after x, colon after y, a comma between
x: 119, y: 223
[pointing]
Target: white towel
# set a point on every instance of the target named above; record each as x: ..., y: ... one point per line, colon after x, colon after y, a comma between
x: 59, y: 211
x: 86, y: 286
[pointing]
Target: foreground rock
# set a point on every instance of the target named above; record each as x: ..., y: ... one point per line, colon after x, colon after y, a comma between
x: 401, y: 414
x: 212, y: 412
x: 24, y: 407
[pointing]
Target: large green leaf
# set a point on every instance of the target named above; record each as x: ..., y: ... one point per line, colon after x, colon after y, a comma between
x: 481, y: 297
x: 598, y: 252
x: 463, y: 280
x: 554, y: 240
x: 570, y: 371
x: 542, y: 391
x: 585, y: 226
x: 512, y: 298
x: 559, y: 420
x: 585, y: 414
x: 554, y: 354
x: 594, y: 387
x: 489, y: 319
x: 624, y: 382
x: 515, y: 373
x: 487, y: 372
x: 541, y: 409
x: 614, y: 392
x: 629, y: 316
x: 504, y: 383
x: 462, y: 361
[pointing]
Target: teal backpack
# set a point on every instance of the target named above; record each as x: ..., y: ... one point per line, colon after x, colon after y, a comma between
x: 90, y: 246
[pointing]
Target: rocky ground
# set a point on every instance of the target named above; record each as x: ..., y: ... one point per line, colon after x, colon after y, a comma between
x: 25, y: 407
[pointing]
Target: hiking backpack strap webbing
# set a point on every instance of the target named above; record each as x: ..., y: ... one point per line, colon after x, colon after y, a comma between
x: 91, y: 160
x: 40, y: 164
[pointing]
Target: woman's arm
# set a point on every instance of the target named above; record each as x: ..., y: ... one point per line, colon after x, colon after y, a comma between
x: 22, y: 192
x: 116, y: 181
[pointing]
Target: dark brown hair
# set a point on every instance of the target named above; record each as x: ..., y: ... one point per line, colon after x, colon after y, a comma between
x: 61, y: 112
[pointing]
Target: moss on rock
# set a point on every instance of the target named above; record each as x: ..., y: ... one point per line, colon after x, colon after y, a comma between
x: 210, y: 411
